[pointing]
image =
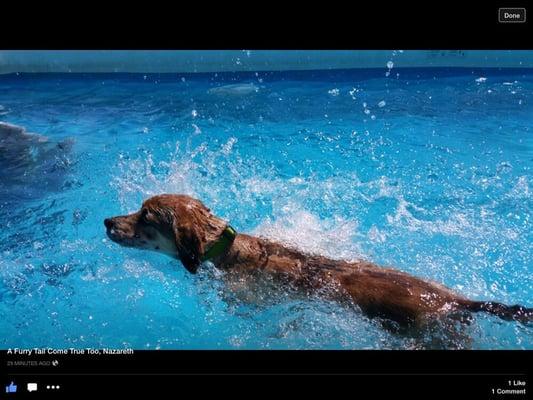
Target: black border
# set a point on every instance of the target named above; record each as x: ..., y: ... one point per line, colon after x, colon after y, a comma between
x: 306, y: 362
x: 412, y: 374
x: 352, y: 25
x: 266, y: 25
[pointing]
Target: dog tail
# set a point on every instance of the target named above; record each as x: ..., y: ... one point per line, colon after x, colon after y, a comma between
x: 516, y: 312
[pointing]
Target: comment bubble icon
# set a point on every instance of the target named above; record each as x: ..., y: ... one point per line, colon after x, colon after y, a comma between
x: 32, y: 387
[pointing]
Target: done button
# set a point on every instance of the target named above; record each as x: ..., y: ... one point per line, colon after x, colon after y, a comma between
x: 509, y: 15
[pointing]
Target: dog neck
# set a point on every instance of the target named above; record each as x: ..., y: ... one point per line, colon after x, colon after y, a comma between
x: 243, y: 251
x: 251, y: 253
x: 221, y: 245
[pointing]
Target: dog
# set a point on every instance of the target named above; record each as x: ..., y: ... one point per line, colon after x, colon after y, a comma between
x: 184, y: 228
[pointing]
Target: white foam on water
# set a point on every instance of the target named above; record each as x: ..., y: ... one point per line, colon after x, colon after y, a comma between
x: 390, y: 65
x: 137, y: 178
x: 335, y: 238
x: 228, y: 146
x: 289, y: 223
x: 237, y: 89
x: 197, y: 130
x: 293, y: 223
x: 139, y: 269
x: 376, y: 235
x: 461, y: 223
x: 521, y: 189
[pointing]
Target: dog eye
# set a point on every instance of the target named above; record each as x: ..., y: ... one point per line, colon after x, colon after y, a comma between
x: 137, y: 236
x: 144, y: 216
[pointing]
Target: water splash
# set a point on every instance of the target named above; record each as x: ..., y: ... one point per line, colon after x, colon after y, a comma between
x: 438, y: 186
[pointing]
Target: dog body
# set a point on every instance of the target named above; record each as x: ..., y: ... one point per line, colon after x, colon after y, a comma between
x: 184, y: 228
x: 379, y: 292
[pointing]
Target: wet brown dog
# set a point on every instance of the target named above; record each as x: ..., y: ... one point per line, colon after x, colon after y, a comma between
x: 184, y: 228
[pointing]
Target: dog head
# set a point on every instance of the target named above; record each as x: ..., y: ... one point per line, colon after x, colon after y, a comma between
x: 177, y: 225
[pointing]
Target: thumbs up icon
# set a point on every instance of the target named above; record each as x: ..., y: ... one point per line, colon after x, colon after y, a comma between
x: 12, y: 388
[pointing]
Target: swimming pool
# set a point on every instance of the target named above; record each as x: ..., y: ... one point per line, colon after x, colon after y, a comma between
x: 425, y: 170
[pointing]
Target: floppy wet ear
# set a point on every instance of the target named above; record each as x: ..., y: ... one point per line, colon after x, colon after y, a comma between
x: 190, y: 248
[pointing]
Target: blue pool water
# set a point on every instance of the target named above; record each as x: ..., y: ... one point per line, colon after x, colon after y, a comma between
x: 426, y: 170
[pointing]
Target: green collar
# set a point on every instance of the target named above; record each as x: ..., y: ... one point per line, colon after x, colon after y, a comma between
x: 221, y: 245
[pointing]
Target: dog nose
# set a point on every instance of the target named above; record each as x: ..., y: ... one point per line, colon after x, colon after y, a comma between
x: 108, y: 222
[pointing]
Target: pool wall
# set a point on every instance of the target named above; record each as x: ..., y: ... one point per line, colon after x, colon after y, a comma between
x: 191, y: 61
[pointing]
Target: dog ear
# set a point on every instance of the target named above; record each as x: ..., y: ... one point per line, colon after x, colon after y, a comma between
x: 190, y: 247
